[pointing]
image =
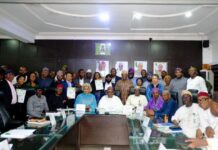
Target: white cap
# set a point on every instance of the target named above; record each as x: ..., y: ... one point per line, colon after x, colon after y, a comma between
x: 89, y: 70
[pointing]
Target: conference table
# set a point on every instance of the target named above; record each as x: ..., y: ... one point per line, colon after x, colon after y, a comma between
x: 111, y: 130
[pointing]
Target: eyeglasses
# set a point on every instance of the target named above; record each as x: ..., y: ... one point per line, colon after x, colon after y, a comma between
x: 202, y: 99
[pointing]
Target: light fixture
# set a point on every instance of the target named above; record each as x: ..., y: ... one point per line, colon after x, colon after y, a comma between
x: 137, y: 15
x: 109, y: 44
x: 104, y: 17
x: 188, y: 14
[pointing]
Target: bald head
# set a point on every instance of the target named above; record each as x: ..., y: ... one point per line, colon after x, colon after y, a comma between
x: 166, y: 95
x: 110, y: 92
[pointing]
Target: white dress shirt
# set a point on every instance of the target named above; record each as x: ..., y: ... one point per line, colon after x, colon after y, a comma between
x: 198, y: 83
x: 14, y: 93
x: 107, y: 85
x: 110, y: 104
x: 136, y: 101
x: 212, y: 121
x: 212, y: 143
x: 188, y: 119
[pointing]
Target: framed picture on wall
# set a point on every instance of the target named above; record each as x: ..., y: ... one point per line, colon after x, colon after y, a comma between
x: 102, y: 49
x: 102, y: 66
x: 158, y: 67
x: 120, y: 66
x: 138, y: 66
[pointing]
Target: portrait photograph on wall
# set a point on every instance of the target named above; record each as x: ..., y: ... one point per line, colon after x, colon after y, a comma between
x: 158, y: 67
x: 102, y: 49
x: 102, y: 66
x: 138, y: 66
x: 120, y: 66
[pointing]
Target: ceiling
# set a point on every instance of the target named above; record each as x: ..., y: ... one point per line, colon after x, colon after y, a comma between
x: 68, y: 19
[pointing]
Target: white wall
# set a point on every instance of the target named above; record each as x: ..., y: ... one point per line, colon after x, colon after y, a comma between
x: 213, y: 49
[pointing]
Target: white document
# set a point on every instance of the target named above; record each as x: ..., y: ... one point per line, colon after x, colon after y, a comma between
x: 63, y: 114
x: 52, y: 119
x: 147, y: 134
x: 18, y: 133
x: 139, y: 111
x: 127, y: 110
x: 162, y: 147
x: 71, y: 92
x: 21, y: 95
x: 4, y: 145
x: 145, y: 121
x: 99, y: 84
x: 81, y: 107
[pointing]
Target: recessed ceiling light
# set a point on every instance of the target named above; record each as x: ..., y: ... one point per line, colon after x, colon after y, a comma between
x: 188, y: 14
x: 137, y: 15
x: 104, y: 17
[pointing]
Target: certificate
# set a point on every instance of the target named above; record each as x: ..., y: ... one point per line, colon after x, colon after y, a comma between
x: 21, y: 95
x: 71, y: 92
x: 99, y: 85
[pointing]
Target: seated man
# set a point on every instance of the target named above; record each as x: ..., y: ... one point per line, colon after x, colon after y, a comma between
x: 137, y: 99
x: 187, y: 116
x: 211, y: 143
x: 57, y: 100
x: 110, y: 102
x: 204, y: 104
x: 211, y: 120
x: 169, y: 107
x: 37, y: 104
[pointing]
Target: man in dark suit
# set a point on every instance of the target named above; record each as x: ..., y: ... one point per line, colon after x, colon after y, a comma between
x: 114, y: 76
x: 9, y: 99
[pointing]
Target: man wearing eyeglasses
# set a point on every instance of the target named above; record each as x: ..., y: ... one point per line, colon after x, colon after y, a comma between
x: 204, y: 104
x: 211, y: 122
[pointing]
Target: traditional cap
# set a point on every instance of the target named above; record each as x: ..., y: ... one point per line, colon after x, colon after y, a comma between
x: 60, y: 86
x: 9, y: 71
x: 178, y: 69
x: 60, y: 72
x: 89, y: 71
x: 203, y: 94
x: 124, y: 72
x: 131, y: 70
x: 45, y: 68
x: 155, y: 90
x: 186, y: 92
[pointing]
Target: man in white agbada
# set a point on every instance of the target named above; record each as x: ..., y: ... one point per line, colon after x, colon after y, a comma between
x: 137, y: 99
x: 195, y: 82
x: 187, y: 116
x: 204, y: 104
x: 110, y: 102
x: 211, y: 142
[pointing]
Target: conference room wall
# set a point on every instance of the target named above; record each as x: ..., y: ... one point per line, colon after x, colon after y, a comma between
x: 81, y: 53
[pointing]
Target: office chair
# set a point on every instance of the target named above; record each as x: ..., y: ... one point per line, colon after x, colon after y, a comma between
x: 6, y: 123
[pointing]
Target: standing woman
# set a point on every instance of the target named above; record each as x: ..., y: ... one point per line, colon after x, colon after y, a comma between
x: 97, y: 86
x: 31, y: 81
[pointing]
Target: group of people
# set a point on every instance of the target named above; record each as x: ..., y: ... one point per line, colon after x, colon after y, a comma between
x: 159, y: 96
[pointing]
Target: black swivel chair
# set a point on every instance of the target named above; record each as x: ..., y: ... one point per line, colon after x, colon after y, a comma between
x: 194, y: 95
x: 6, y: 123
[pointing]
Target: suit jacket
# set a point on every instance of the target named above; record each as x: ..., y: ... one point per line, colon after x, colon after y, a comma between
x: 77, y: 81
x: 7, y: 97
x: 117, y: 78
